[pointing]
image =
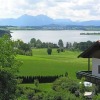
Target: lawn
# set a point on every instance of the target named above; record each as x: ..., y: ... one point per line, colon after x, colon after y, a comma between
x: 42, y: 86
x: 42, y: 64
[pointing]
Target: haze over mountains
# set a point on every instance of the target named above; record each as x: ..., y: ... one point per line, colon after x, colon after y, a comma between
x: 40, y: 20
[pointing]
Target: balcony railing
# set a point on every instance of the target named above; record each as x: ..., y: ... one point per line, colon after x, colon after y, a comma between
x: 88, y: 76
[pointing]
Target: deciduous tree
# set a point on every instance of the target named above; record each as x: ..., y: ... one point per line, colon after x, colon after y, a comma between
x: 60, y: 43
x: 8, y: 69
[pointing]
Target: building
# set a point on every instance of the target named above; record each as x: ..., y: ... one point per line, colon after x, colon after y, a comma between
x: 93, y: 53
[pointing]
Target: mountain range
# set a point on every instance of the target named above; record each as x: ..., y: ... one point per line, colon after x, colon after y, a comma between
x: 41, y: 20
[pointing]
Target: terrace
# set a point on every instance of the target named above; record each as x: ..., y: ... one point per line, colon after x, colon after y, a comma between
x: 88, y: 76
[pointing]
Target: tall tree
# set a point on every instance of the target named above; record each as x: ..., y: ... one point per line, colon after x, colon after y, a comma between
x: 38, y: 43
x: 8, y: 69
x: 33, y: 42
x: 60, y: 43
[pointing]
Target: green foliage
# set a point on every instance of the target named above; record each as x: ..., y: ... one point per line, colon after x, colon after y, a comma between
x: 39, y: 44
x: 58, y: 50
x: 4, y: 32
x: 22, y: 48
x: 96, y: 97
x: 8, y: 68
x: 64, y: 83
x: 33, y: 42
x: 36, y: 82
x: 7, y: 84
x: 60, y: 43
x: 82, y: 87
x: 61, y: 49
x: 69, y: 46
x: 82, y: 45
x: 7, y: 53
x: 32, y: 94
x: 49, y: 51
x: 61, y: 95
x: 28, y: 93
x: 66, y: 74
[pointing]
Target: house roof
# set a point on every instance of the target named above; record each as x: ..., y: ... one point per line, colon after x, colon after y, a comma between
x: 92, y: 52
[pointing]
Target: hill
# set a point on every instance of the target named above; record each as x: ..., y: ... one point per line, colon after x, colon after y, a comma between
x: 40, y: 20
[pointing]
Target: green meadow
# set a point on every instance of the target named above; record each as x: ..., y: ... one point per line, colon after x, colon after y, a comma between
x: 42, y: 64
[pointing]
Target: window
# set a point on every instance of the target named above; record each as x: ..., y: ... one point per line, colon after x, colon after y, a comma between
x: 98, y: 69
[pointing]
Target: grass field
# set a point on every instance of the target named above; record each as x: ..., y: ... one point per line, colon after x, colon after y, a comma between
x: 42, y: 86
x: 42, y: 64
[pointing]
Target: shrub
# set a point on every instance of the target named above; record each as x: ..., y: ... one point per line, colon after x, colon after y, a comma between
x: 62, y: 95
x: 58, y: 50
x: 64, y: 83
x: 49, y: 51
x: 36, y: 82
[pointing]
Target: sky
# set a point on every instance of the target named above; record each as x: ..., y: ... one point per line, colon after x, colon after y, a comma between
x: 76, y: 10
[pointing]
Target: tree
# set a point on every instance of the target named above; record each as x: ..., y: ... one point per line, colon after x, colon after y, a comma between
x: 60, y: 43
x: 25, y: 47
x: 58, y: 50
x: 68, y: 45
x: 4, y: 32
x: 33, y: 42
x: 75, y: 45
x: 49, y: 51
x: 8, y: 69
x: 38, y: 43
x: 22, y: 48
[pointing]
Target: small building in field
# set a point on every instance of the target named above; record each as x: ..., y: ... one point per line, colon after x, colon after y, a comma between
x: 93, y: 53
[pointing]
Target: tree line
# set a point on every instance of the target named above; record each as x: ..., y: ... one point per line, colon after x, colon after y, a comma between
x: 39, y: 44
x: 70, y: 46
x: 26, y: 48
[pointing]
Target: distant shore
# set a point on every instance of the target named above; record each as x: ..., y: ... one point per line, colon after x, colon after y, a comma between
x: 90, y: 33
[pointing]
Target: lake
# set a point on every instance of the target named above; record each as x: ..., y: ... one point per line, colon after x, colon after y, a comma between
x: 54, y: 35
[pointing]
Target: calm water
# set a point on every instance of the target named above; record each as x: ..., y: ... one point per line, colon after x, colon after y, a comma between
x: 54, y: 36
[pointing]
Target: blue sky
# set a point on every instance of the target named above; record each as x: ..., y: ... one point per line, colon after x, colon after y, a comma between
x: 79, y: 10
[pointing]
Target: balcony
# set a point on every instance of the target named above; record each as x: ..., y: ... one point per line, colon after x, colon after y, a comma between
x: 88, y: 76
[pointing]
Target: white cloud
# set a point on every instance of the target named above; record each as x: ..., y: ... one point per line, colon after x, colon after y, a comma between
x: 68, y: 9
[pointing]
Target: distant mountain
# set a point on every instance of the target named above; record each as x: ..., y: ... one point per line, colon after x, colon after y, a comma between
x: 63, y: 22
x: 40, y: 20
x: 27, y: 20
x: 90, y: 23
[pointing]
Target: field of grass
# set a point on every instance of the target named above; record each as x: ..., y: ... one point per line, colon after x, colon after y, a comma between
x: 42, y: 86
x: 42, y: 64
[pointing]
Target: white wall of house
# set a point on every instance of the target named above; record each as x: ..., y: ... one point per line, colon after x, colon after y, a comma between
x: 95, y: 64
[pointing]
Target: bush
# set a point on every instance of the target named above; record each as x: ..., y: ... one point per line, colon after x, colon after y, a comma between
x: 49, y: 51
x: 62, y: 95
x: 65, y: 83
x: 36, y: 82
x: 96, y: 97
x: 58, y: 50
x: 62, y: 49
